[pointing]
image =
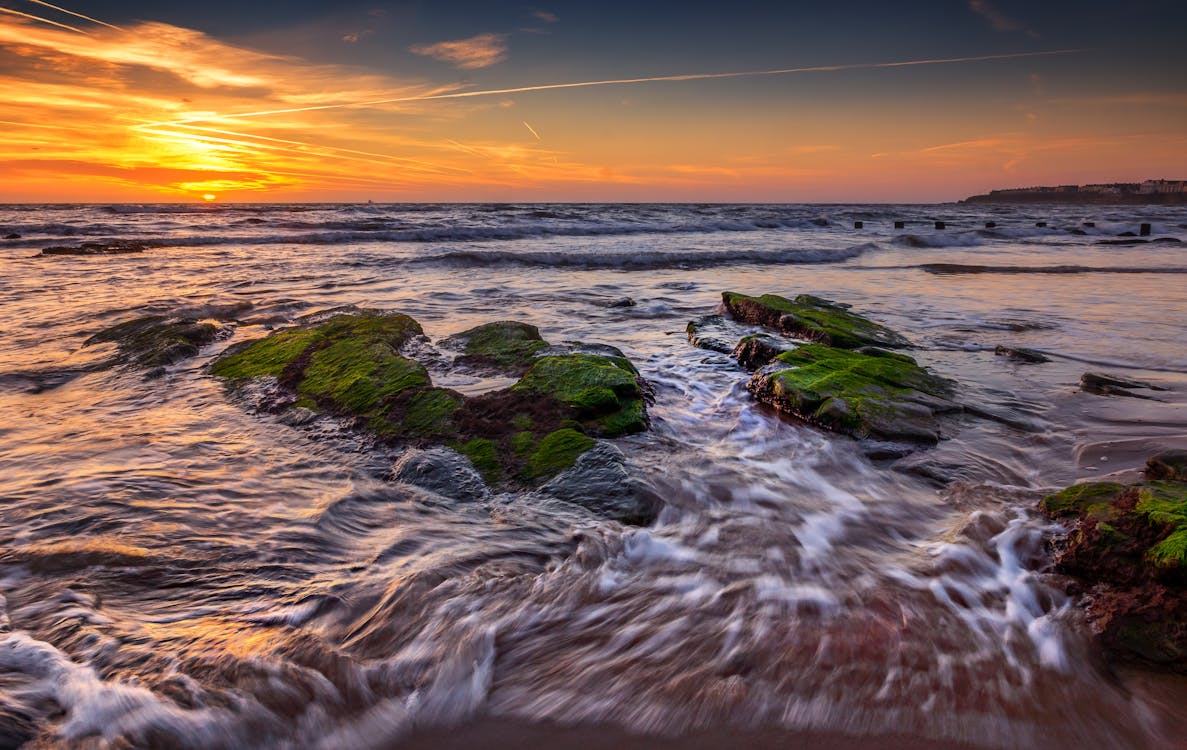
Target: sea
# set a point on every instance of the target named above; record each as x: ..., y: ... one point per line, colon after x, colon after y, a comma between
x: 179, y: 570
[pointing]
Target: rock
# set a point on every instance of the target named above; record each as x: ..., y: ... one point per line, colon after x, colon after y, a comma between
x: 714, y: 333
x: 600, y: 481
x: 622, y: 302
x: 359, y: 365
x: 154, y: 341
x: 1104, y: 384
x: 880, y: 397
x: 1019, y: 354
x: 12, y: 236
x: 812, y: 318
x: 506, y: 346
x: 443, y: 471
x: 1128, y: 543
x: 117, y: 247
x: 1170, y: 465
x: 758, y: 349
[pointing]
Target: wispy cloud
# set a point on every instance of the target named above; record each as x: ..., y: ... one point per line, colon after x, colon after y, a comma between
x: 546, y: 16
x: 479, y: 51
x: 997, y: 19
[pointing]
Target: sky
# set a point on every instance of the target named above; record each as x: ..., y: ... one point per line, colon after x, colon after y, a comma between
x: 904, y: 102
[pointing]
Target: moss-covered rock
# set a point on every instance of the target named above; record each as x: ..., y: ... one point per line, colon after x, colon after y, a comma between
x: 812, y: 318
x: 758, y: 349
x: 506, y: 346
x: 1129, y: 544
x: 1168, y: 465
x: 888, y: 398
x: 355, y: 365
x: 603, y: 392
x: 153, y: 341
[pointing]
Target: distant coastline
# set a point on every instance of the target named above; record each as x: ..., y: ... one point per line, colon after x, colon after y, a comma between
x: 1149, y: 192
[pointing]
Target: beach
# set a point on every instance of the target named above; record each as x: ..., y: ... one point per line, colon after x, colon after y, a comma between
x: 180, y: 567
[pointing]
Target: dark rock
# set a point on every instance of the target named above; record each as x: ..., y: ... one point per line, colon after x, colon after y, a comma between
x: 601, y: 482
x: 621, y: 302
x: 1170, y: 465
x: 714, y: 333
x: 885, y: 398
x: 758, y: 349
x: 1128, y: 543
x: 359, y: 366
x: 154, y: 341
x: 1104, y: 384
x: 505, y: 346
x: 1019, y: 354
x: 812, y: 318
x: 443, y: 471
x: 12, y: 236
x: 118, y: 247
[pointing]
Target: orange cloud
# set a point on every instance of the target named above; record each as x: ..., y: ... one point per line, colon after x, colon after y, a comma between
x: 479, y: 51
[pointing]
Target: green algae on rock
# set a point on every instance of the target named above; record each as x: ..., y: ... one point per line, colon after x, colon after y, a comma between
x: 351, y: 365
x: 154, y: 341
x: 1129, y: 544
x: 505, y: 345
x: 812, y: 318
x: 863, y: 395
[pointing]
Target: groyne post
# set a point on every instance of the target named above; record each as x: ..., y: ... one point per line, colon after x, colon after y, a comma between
x: 900, y: 224
x: 858, y: 224
x: 1144, y: 230
x: 940, y: 225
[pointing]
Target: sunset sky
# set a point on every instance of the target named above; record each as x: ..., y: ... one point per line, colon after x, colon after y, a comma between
x: 416, y: 101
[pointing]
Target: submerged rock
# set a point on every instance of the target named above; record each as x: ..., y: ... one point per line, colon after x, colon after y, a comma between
x: 812, y: 318
x: 1104, y: 384
x: 1020, y: 354
x: 712, y: 332
x: 12, y: 236
x: 505, y: 346
x: 1168, y: 465
x: 154, y: 341
x: 357, y: 365
x: 758, y: 349
x: 883, y: 396
x: 1128, y: 543
x: 117, y: 247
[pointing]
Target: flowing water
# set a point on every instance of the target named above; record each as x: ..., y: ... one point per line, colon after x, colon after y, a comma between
x: 178, y: 571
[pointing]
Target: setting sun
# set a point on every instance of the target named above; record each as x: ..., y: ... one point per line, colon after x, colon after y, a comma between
x: 209, y: 197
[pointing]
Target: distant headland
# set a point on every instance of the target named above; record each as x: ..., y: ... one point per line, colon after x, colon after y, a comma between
x: 1160, y: 192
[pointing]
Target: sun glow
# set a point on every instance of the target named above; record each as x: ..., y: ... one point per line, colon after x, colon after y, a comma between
x: 209, y: 197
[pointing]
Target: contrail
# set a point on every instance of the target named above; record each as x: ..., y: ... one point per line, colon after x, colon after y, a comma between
x: 618, y: 81
x: 533, y: 130
x: 76, y: 15
x: 42, y: 20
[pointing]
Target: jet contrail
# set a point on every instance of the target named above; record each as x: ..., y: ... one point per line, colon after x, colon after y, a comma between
x: 76, y: 15
x: 617, y: 81
x: 533, y: 130
x: 42, y: 20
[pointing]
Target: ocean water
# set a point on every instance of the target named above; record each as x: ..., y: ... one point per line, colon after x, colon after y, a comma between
x: 178, y: 571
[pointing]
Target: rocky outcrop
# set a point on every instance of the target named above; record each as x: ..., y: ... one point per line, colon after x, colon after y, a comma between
x: 357, y: 365
x: 1128, y: 546
x: 443, y: 471
x: 1104, y: 384
x: 116, y: 247
x: 813, y: 319
x: 1020, y: 354
x: 884, y: 395
x: 154, y: 341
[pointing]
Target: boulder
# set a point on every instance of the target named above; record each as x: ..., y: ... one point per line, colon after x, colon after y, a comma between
x: 601, y: 482
x: 12, y: 236
x: 1170, y: 465
x: 865, y: 395
x: 443, y: 471
x: 757, y: 349
x: 1128, y: 544
x: 714, y: 333
x: 813, y: 319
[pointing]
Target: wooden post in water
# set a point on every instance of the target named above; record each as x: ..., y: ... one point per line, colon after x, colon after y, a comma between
x: 1040, y: 223
x: 858, y: 224
x: 1090, y: 224
x: 900, y: 224
x: 1144, y: 230
x: 939, y: 225
x: 990, y: 224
